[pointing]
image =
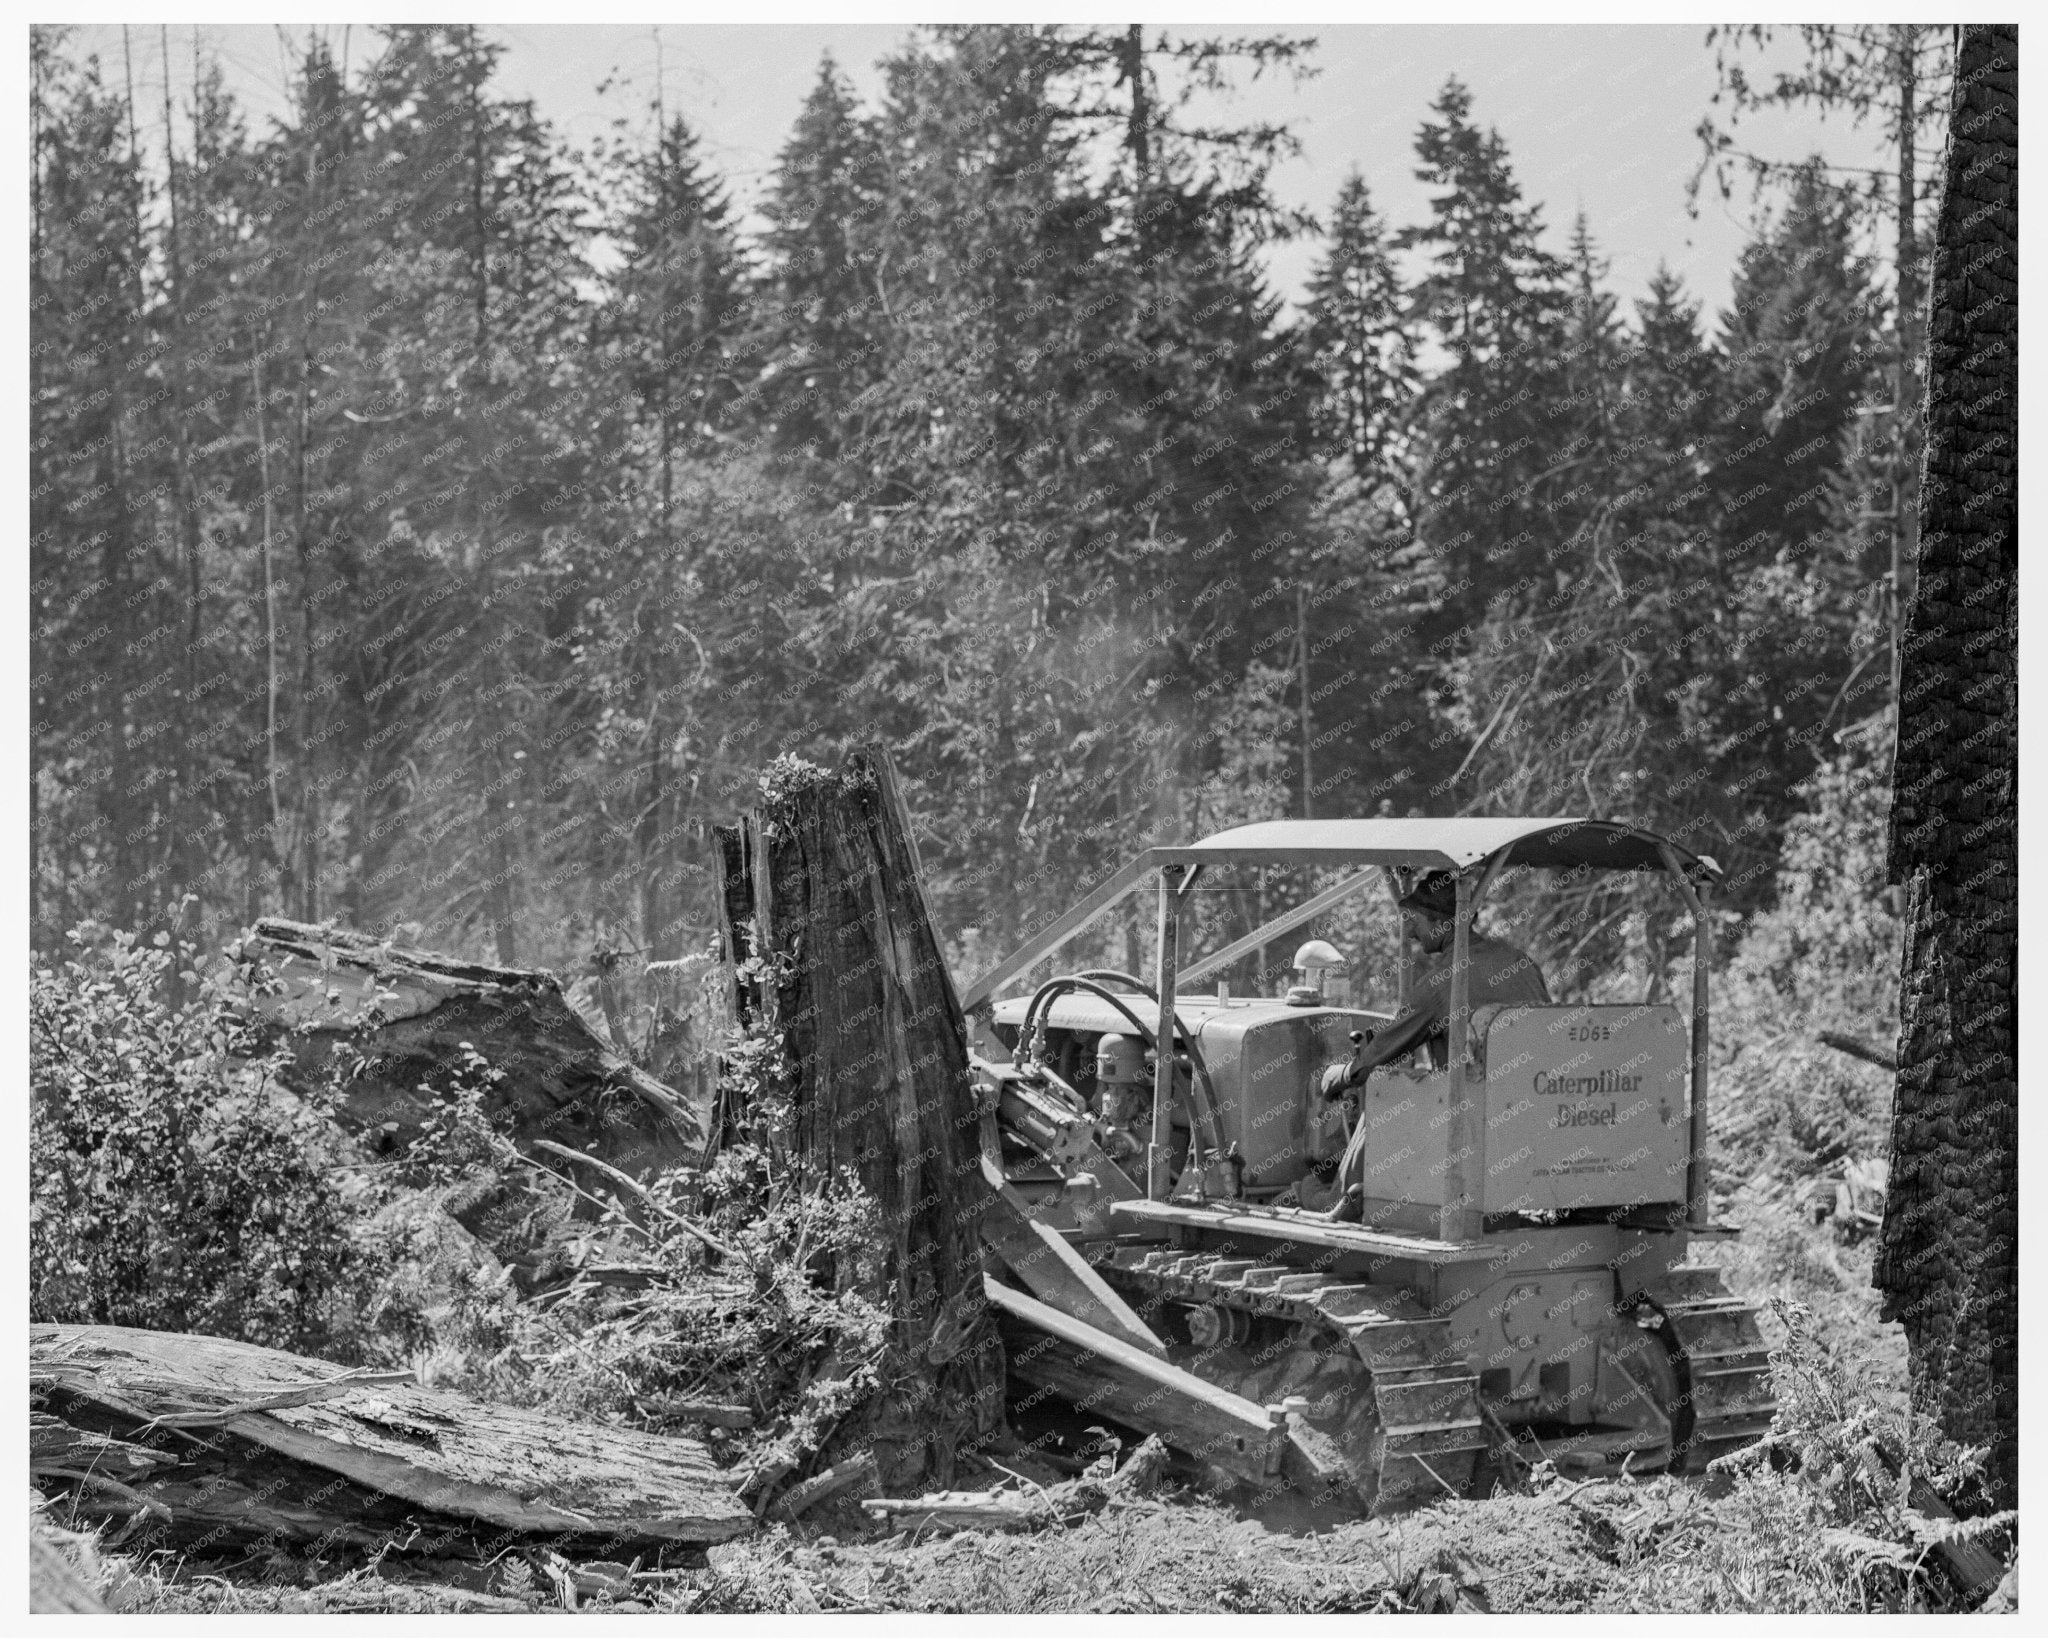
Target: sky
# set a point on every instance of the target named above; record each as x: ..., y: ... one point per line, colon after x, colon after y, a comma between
x: 1598, y: 117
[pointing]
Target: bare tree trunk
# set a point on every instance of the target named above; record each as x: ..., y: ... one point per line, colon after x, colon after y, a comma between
x: 1906, y: 386
x: 269, y: 610
x: 1948, y: 1255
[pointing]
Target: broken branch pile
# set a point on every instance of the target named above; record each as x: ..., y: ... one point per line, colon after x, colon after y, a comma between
x: 1037, y: 1509
x: 193, y: 1439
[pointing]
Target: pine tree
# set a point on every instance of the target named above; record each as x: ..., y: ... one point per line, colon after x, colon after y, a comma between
x: 92, y: 559
x: 819, y: 341
x: 1494, y: 301
x: 1361, y: 341
x: 668, y: 335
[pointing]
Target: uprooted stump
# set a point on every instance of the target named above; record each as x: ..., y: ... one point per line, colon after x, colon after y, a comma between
x: 195, y: 1440
x: 836, y: 960
x: 410, y: 1018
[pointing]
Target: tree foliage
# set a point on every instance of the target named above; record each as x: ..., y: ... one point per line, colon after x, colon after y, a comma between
x: 435, y: 526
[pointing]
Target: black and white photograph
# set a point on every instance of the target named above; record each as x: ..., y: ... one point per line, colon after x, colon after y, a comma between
x: 1023, y: 817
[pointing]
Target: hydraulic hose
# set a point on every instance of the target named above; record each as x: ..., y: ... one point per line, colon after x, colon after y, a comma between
x: 1052, y: 988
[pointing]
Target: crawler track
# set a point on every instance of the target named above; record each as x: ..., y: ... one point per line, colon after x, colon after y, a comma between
x: 1725, y: 1368
x: 1386, y: 1388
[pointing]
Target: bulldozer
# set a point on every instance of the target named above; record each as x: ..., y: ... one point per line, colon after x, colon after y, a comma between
x: 1519, y: 1287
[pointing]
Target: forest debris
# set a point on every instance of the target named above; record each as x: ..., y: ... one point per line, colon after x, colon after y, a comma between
x: 712, y: 1413
x: 1852, y: 1195
x: 1883, y: 1057
x: 367, y: 1458
x: 800, y: 1499
x: 709, y: 1241
x: 55, y: 1445
x: 1037, y: 1509
x: 1448, y: 1585
x: 1976, y: 1568
x: 413, y: 1016
x: 2005, y: 1597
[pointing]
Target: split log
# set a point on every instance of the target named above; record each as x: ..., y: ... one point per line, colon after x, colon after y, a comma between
x: 411, y: 1013
x: 821, y: 887
x: 254, y: 1442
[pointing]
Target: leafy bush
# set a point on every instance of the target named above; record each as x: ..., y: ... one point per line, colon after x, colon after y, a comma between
x: 1824, y: 957
x: 772, y: 1319
x: 172, y: 1186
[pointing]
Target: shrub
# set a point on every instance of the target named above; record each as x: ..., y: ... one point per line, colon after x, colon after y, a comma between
x: 775, y: 1321
x: 172, y: 1187
x: 1824, y: 957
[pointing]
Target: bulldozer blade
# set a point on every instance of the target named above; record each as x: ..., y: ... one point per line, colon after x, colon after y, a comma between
x: 1057, y: 1274
x: 1095, y: 1371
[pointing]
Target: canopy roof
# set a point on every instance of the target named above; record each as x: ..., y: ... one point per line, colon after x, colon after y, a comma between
x: 1424, y: 844
x: 1558, y: 842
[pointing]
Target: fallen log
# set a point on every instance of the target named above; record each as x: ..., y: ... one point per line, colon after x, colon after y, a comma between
x: 252, y: 1442
x: 412, y: 1016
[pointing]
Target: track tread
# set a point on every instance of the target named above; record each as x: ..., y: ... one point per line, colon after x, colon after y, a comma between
x: 1425, y: 1398
x: 1727, y: 1364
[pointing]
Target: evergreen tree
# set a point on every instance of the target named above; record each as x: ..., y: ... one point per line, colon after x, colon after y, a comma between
x: 94, y: 650
x: 819, y: 341
x: 668, y: 336
x: 1494, y: 301
x: 1361, y: 341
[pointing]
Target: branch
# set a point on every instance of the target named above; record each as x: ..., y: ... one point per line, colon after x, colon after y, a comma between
x: 1859, y: 1049
x: 709, y: 1241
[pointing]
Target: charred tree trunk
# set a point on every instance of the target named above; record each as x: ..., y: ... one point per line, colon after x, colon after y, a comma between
x: 822, y: 887
x: 1948, y: 1258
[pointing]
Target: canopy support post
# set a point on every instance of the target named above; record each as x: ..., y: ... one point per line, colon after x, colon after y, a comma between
x: 1159, y: 1154
x: 1698, y: 1180
x: 1460, y: 1219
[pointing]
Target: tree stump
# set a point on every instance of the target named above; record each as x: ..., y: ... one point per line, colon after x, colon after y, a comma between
x: 821, y: 887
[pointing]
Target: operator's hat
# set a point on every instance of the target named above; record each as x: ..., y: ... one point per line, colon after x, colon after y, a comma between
x: 1435, y: 893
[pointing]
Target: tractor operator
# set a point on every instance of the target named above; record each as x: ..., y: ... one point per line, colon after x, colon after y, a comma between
x: 1498, y: 972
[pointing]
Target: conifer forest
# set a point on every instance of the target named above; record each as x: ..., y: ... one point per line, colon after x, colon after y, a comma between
x: 441, y: 533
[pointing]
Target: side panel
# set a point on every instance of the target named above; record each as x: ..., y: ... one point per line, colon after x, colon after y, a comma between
x: 1267, y: 1063
x: 1405, y: 1113
x: 1586, y: 1107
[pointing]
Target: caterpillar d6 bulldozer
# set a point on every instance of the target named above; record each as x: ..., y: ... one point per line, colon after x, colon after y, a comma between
x: 1518, y: 1287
